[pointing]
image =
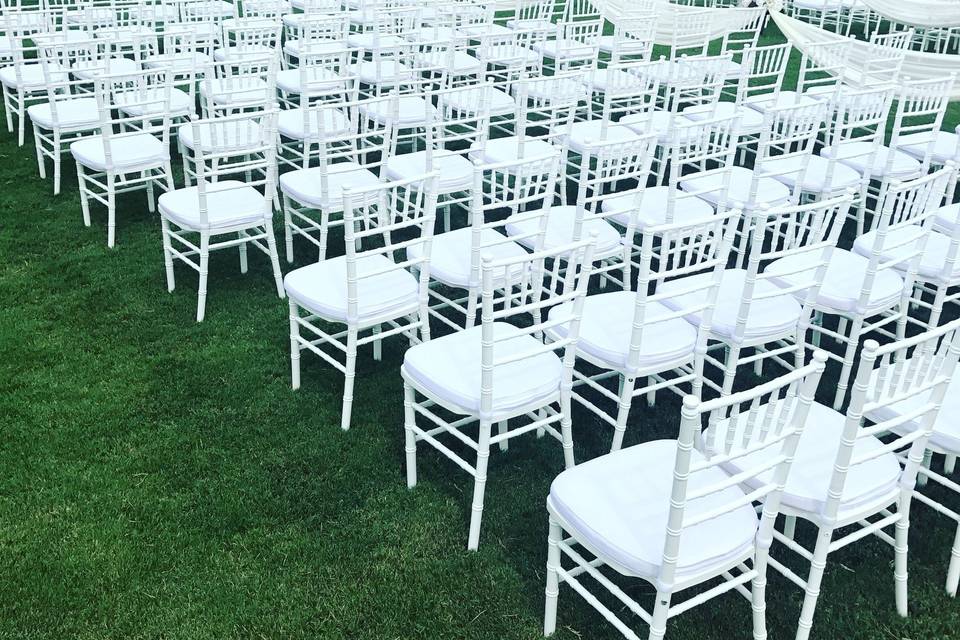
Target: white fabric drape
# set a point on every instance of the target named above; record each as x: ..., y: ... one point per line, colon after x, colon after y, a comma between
x: 917, y: 65
x: 918, y: 13
x: 726, y: 20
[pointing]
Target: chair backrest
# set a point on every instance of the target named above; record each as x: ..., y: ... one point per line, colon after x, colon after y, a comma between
x: 581, y: 10
x: 251, y: 36
x: 899, y: 372
x: 538, y: 11
x: 546, y: 107
x: 325, y: 73
x: 823, y: 64
x: 261, y: 8
x: 450, y: 128
x: 245, y: 83
x: 691, y: 81
x: 222, y: 157
x: 523, y: 189
x: 387, y: 221
x: 626, y: 93
x: 320, y: 28
x: 56, y: 54
x: 141, y: 102
x: 577, y: 43
x: 921, y: 106
x: 770, y: 435
x: 673, y: 253
x: 808, y: 232
x: 762, y: 72
x: 753, y: 20
x: 633, y: 38
x: 690, y: 32
x: 883, y: 59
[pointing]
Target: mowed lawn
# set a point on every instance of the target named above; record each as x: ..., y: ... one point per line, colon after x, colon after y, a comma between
x: 159, y: 478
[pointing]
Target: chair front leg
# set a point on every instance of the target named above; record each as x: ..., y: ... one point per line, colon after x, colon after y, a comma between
x: 480, y: 483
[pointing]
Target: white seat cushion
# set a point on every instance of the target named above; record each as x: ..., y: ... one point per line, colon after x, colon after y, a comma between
x: 290, y: 123
x: 560, y: 222
x: 368, y: 39
x: 946, y: 146
x: 501, y: 150
x: 657, y: 122
x: 751, y: 120
x: 31, y: 75
x: 306, y: 187
x: 617, y: 505
x: 768, y: 318
x: 88, y: 70
x: 178, y: 61
x: 946, y: 428
x: 869, y: 484
x: 240, y: 52
x: 815, y: 178
x: 319, y: 79
x: 564, y: 49
x: 128, y: 152
x: 412, y: 111
x: 149, y: 103
x: 450, y: 255
x: 769, y: 191
x: 783, y: 99
x: 292, y: 47
x: 945, y: 218
x: 449, y: 368
x: 466, y: 101
x: 227, y: 92
x: 456, y: 172
x: 607, y: 324
x: 843, y: 280
x: 385, y: 71
x: 74, y: 114
x: 230, y: 203
x: 238, y: 135
x: 509, y: 55
x: 933, y: 260
x: 322, y: 289
x: 653, y: 207
x: 564, y: 88
x: 463, y: 63
x: 586, y: 134
x: 856, y: 154
x: 600, y: 79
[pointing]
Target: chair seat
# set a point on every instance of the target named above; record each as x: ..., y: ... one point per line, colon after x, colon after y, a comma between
x: 241, y: 52
x: 229, y: 91
x: 467, y: 99
x: 946, y: 146
x: 448, y: 368
x: 751, y: 121
x: 530, y: 24
x: 501, y: 150
x: 178, y: 61
x: 306, y: 187
x: 368, y: 39
x: 856, y: 154
x: 818, y: 178
x: 585, y: 135
x: 486, y: 29
x: 546, y: 89
x: 456, y: 171
x: 150, y: 103
x: 319, y: 80
x: 321, y: 288
x: 290, y: 123
x: 946, y: 428
x: 933, y: 260
x: 653, y: 207
x: 293, y: 46
x: 239, y: 135
x: 617, y: 505
x: 131, y: 152
x: 564, y: 49
x: 230, y: 204
x: 652, y: 121
x: 600, y: 79
x: 871, y: 484
x: 73, y: 114
x: 560, y: 223
x: 509, y: 55
x: 433, y: 34
x: 385, y: 72
x: 842, y: 282
x: 450, y: 256
x: 768, y: 318
x: 945, y: 219
x: 769, y: 191
x: 765, y: 101
x: 607, y: 325
x: 462, y: 64
x: 412, y: 111
x: 628, y: 46
x: 31, y: 77
x: 90, y: 69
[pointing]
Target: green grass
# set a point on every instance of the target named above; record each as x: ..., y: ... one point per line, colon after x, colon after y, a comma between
x: 161, y: 480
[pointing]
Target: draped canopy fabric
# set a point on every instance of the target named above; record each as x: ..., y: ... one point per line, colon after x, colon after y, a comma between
x: 725, y: 20
x: 918, y: 13
x: 917, y: 65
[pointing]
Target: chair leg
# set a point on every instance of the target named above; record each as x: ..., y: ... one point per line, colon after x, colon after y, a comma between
x: 275, y: 260
x: 552, y: 590
x: 853, y: 341
x: 927, y: 460
x: 658, y: 622
x: 732, y: 353
x: 814, y: 579
x: 900, y: 549
x: 21, y: 122
x: 287, y: 229
x: 151, y: 196
x: 623, y: 411
x: 377, y: 345
x: 566, y: 424
x: 8, y: 109
x: 167, y: 253
x: 790, y: 527
x: 242, y: 248
x: 84, y: 200
x: 758, y: 596
x: 410, y: 445
x: 949, y: 464
x: 349, y: 378
x: 294, y: 346
x: 953, y: 572
x: 204, y: 262
x: 38, y: 145
x: 111, y: 212
x: 479, y: 484
x: 57, y: 162
x: 501, y: 429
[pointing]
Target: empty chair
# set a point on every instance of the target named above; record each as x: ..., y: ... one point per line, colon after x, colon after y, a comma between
x: 132, y: 152
x: 378, y: 282
x: 843, y: 474
x: 232, y: 203
x: 692, y: 522
x: 499, y: 372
